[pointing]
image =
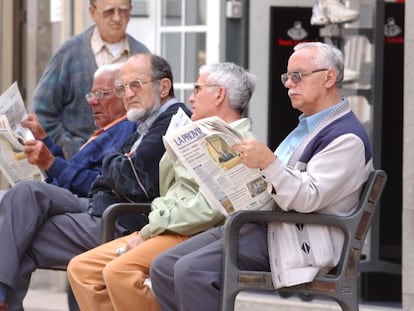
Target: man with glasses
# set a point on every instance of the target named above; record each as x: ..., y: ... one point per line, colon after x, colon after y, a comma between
x: 59, y: 99
x: 78, y: 173
x: 320, y: 167
x: 102, y: 280
x: 42, y: 225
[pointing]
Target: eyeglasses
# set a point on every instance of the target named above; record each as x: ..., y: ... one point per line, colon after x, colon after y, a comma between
x: 98, y: 94
x: 296, y: 76
x: 198, y: 86
x: 122, y: 12
x: 135, y: 86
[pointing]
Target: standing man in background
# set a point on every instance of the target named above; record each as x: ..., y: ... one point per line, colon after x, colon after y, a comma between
x: 59, y: 99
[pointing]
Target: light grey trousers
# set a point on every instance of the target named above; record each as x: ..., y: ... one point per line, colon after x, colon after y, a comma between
x: 41, y: 226
x: 2, y: 193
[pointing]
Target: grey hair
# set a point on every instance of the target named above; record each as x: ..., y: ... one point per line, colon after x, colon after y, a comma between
x: 327, y: 56
x: 239, y: 83
x: 110, y: 68
x: 161, y: 69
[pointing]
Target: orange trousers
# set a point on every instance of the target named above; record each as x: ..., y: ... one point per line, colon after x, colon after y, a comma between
x: 102, y: 280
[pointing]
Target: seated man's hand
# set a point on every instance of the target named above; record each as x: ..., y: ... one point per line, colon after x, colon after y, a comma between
x: 38, y: 154
x: 254, y: 154
x: 134, y: 242
x: 32, y: 123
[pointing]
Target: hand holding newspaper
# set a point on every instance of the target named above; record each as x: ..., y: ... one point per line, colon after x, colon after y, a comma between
x: 204, y: 147
x: 13, y: 162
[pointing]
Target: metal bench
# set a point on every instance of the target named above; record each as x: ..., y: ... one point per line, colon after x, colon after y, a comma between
x: 340, y: 284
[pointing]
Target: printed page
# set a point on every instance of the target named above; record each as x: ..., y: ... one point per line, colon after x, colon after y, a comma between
x: 204, y: 147
x: 13, y: 162
x: 12, y: 105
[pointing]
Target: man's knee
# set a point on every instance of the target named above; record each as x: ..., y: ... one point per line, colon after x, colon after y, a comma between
x: 115, y: 271
x: 28, y: 186
x: 110, y: 272
x: 183, y: 270
x: 156, y: 269
x: 74, y: 268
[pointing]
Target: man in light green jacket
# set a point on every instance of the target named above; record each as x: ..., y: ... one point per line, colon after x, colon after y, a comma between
x: 102, y: 280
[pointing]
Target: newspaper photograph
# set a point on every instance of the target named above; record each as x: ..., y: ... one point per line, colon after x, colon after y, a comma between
x: 204, y: 147
x: 13, y: 162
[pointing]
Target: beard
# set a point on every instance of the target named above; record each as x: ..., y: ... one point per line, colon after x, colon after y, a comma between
x: 136, y: 114
x: 141, y: 114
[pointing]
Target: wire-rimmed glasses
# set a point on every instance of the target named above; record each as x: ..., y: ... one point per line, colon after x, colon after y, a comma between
x: 135, y: 86
x: 296, y: 76
x: 98, y: 94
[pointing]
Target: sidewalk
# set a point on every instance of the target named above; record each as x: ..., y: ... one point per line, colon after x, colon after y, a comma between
x: 248, y: 301
x: 45, y: 300
x: 47, y: 292
x: 48, y: 300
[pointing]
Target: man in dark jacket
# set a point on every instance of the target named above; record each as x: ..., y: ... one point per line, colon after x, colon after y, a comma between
x: 42, y: 225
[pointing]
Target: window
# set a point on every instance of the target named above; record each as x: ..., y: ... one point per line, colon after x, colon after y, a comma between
x: 188, y: 38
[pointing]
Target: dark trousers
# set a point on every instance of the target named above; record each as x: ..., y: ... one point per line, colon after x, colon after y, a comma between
x: 188, y: 276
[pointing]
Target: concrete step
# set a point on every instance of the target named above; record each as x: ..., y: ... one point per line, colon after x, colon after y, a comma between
x: 49, y: 300
x: 45, y: 300
x: 48, y: 293
x: 249, y: 301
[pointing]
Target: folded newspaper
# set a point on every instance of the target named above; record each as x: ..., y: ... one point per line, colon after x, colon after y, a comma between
x: 204, y: 147
x: 13, y: 162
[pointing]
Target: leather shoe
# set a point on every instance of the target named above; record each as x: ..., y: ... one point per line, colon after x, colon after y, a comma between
x: 3, y: 306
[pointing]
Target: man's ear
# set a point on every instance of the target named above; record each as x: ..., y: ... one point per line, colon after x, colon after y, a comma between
x: 330, y: 78
x: 92, y: 11
x: 165, y: 87
x: 221, y: 94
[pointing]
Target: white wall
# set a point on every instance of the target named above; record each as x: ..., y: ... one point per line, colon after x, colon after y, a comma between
x: 144, y: 28
x: 259, y: 58
x: 408, y: 166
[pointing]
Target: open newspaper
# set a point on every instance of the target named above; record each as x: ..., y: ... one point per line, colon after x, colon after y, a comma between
x: 13, y: 162
x: 204, y: 147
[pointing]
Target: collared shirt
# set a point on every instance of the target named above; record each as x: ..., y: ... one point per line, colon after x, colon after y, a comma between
x: 306, y: 125
x: 103, y: 54
x: 100, y: 131
x: 144, y: 126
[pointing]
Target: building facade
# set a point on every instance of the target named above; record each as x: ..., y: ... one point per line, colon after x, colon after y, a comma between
x: 193, y: 32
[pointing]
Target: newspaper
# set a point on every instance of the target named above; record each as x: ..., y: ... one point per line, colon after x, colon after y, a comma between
x: 13, y: 162
x: 204, y: 147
